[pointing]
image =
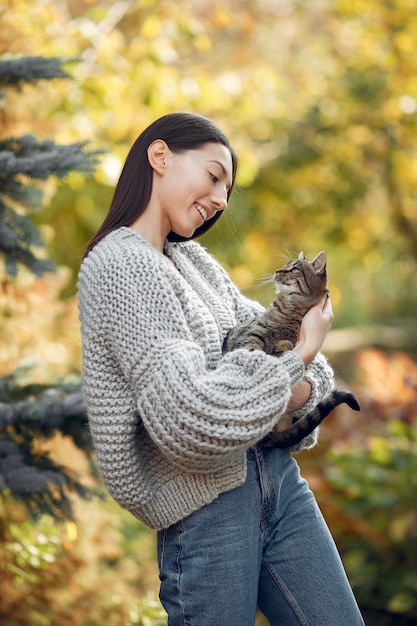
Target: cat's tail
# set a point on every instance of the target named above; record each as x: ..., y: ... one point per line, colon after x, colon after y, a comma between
x: 292, y: 435
x: 340, y: 396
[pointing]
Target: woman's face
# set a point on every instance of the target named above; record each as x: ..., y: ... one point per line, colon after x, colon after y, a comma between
x: 193, y: 187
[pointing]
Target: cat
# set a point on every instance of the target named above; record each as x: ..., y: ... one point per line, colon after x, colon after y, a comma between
x: 299, y: 285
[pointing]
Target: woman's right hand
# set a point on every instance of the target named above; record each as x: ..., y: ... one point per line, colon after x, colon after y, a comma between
x: 314, y: 328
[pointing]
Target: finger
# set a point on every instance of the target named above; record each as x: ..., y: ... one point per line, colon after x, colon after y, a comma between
x: 328, y: 309
x: 326, y: 302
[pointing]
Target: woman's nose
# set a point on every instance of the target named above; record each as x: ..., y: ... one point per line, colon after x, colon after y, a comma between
x: 220, y: 201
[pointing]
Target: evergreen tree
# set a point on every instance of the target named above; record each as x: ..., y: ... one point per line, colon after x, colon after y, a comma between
x: 30, y: 414
x: 24, y: 160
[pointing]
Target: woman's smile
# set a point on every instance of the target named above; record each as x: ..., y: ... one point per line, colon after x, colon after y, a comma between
x: 202, y: 211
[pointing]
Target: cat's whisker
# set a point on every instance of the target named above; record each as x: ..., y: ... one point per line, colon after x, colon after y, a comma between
x: 262, y: 281
x: 286, y: 257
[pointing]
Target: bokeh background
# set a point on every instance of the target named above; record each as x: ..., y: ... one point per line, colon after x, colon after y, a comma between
x: 319, y: 99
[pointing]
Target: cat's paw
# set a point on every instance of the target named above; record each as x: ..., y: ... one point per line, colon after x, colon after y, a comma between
x: 283, y: 346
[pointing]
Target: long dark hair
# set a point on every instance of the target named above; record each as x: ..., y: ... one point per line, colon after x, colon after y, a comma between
x: 180, y: 131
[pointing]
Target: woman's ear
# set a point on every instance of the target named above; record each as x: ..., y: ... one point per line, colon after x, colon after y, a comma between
x: 157, y: 155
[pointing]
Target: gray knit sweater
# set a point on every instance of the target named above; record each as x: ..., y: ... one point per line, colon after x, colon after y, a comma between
x: 171, y: 418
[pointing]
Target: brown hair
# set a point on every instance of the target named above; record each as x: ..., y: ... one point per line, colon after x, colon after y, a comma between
x: 180, y: 131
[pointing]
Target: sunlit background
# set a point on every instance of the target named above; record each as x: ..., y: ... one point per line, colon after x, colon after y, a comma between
x: 319, y: 99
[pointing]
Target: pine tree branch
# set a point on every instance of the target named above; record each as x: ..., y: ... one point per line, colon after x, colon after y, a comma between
x: 27, y: 472
x: 17, y: 238
x: 28, y: 69
x: 41, y: 159
x: 42, y: 485
x: 34, y: 478
x: 22, y: 160
x: 53, y: 410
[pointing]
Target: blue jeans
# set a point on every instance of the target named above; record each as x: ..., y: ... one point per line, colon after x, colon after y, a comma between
x: 262, y: 544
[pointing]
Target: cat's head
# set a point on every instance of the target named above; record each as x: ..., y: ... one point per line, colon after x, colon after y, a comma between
x: 303, y: 280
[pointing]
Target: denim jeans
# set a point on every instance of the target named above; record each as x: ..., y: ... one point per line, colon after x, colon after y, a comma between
x: 262, y: 544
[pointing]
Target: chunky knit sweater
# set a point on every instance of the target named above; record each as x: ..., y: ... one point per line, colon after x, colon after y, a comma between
x: 170, y: 416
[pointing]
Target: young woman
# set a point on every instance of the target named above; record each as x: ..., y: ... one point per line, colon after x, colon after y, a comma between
x: 177, y: 426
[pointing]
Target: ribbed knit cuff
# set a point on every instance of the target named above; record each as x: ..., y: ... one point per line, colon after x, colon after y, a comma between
x: 320, y: 376
x: 258, y: 361
x: 293, y: 364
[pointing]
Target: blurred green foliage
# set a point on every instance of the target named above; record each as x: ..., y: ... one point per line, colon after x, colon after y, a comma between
x: 365, y: 477
x: 376, y: 484
x: 32, y: 549
x: 320, y: 101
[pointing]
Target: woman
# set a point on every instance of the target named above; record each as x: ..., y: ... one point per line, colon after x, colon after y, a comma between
x: 177, y: 426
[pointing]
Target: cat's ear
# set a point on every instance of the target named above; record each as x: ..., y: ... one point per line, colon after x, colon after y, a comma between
x: 319, y: 263
x: 301, y: 256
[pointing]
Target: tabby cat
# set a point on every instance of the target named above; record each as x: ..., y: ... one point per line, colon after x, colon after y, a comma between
x: 300, y: 284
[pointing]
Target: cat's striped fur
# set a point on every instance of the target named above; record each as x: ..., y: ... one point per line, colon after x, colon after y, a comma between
x: 300, y: 284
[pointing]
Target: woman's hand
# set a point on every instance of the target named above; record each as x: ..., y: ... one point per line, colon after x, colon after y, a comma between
x: 314, y: 328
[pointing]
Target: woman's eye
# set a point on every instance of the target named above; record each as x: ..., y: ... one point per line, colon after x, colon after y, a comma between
x: 214, y: 178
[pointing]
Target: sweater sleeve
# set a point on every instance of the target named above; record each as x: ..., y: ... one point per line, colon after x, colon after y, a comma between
x: 196, y: 415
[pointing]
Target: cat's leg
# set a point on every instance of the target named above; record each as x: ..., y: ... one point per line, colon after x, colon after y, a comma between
x: 284, y: 422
